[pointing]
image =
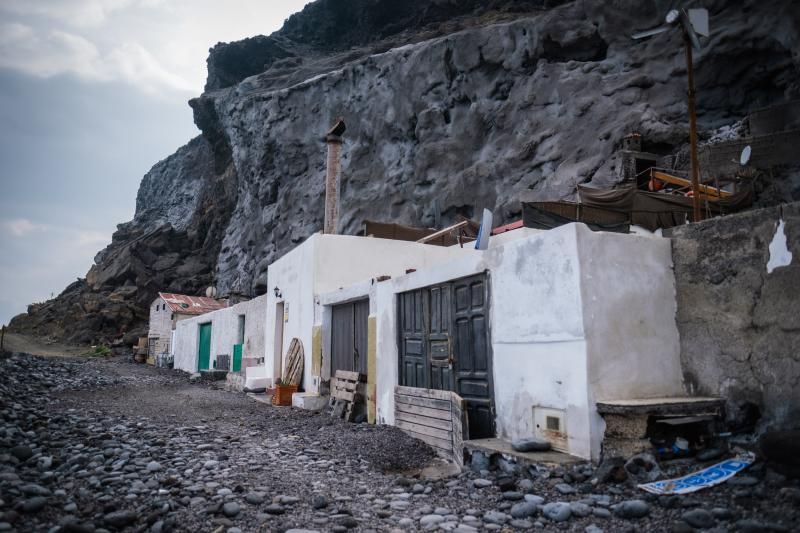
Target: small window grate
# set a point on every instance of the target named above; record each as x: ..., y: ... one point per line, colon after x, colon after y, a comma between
x: 553, y: 423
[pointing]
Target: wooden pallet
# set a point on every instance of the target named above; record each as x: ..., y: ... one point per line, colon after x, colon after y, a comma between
x: 344, y: 394
x: 293, y: 372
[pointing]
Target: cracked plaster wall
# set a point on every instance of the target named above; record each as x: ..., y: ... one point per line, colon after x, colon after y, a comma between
x: 739, y: 312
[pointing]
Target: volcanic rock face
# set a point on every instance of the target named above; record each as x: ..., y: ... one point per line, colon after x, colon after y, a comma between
x: 463, y: 104
x: 182, y: 210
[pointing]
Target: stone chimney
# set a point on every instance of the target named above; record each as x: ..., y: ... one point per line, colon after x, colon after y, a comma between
x: 334, y: 141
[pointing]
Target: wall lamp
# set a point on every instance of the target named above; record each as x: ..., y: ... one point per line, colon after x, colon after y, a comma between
x: 277, y: 291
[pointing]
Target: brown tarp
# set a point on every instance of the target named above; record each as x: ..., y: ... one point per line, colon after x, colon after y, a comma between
x: 549, y: 215
x: 656, y: 210
x: 615, y: 209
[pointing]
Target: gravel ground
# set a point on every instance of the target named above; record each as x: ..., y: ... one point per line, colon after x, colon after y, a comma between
x: 106, y: 445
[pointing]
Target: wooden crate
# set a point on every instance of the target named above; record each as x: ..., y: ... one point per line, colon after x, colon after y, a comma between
x: 344, y: 394
x: 283, y: 394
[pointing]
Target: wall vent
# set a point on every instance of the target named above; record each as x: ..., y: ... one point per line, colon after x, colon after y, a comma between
x: 550, y: 424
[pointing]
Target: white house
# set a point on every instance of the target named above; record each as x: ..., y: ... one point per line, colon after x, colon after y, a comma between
x: 321, y: 264
x: 167, y: 310
x: 531, y: 332
x: 236, y: 332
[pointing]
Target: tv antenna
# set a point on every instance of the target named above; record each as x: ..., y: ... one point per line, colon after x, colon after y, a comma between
x: 693, y: 23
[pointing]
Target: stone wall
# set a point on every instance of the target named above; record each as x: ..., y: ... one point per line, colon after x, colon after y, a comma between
x: 738, y: 294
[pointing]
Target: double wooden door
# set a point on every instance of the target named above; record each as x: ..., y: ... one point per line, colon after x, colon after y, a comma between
x: 444, y: 345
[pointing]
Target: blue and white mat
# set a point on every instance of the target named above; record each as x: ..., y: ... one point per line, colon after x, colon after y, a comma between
x: 708, y: 477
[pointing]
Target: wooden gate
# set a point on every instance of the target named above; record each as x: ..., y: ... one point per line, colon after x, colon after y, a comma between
x: 434, y: 416
x: 444, y: 345
x: 349, y: 337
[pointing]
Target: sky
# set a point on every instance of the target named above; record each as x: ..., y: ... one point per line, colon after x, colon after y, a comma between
x: 92, y: 94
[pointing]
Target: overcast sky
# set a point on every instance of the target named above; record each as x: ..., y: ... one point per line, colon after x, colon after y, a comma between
x: 92, y: 94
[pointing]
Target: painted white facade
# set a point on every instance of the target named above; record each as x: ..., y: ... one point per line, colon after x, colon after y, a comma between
x: 224, y: 334
x: 324, y: 263
x: 575, y: 317
x: 162, y: 323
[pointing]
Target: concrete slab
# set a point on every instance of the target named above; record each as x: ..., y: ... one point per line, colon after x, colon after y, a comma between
x: 309, y: 401
x: 678, y: 405
x: 494, y: 445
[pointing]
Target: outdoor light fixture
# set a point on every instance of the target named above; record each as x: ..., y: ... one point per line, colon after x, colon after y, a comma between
x: 277, y: 292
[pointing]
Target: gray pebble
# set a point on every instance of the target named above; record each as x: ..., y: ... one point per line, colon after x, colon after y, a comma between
x: 557, y: 511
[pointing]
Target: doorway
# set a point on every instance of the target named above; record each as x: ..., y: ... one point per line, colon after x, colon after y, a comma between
x: 278, y: 344
x: 444, y: 345
x: 349, y: 324
x: 204, y: 347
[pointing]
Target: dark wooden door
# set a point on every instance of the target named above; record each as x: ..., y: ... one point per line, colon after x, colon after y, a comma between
x: 439, y: 322
x: 413, y: 361
x: 471, y: 354
x: 444, y: 344
x: 349, y: 337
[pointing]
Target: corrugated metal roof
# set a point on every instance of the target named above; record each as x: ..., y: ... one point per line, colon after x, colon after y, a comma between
x: 508, y: 227
x: 191, y: 305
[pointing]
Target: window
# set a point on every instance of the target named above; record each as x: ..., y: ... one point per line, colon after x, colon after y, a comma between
x: 241, y: 329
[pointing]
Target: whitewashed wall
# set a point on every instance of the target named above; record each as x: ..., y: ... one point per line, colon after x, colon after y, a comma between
x: 325, y: 263
x: 160, y: 324
x: 633, y: 344
x: 224, y: 333
x: 547, y: 290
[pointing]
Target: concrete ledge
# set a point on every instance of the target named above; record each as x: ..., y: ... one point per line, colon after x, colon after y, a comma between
x: 309, y: 401
x: 491, y: 447
x: 662, y: 406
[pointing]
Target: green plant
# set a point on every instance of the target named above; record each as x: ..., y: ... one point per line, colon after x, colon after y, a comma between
x: 99, y: 351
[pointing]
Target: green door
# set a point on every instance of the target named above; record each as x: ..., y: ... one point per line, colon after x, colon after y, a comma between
x: 237, y: 358
x: 204, y: 352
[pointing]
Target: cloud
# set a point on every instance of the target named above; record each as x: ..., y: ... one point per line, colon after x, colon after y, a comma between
x: 79, y: 13
x: 94, y: 240
x: 135, y: 64
x: 21, y: 227
x: 49, y: 53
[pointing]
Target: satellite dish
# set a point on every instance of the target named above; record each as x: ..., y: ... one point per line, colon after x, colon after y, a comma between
x: 211, y: 292
x: 745, y: 157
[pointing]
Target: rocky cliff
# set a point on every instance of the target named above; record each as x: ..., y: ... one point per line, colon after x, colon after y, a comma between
x: 460, y: 104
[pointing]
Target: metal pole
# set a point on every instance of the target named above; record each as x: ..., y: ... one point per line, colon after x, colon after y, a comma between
x: 332, y: 184
x: 695, y: 170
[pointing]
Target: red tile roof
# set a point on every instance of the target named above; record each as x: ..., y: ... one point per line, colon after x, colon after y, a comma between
x: 191, y: 305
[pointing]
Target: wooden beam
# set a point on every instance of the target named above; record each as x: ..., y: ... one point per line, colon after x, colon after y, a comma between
x: 426, y: 421
x: 423, y: 402
x: 444, y: 231
x: 445, y: 435
x: 710, y: 193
